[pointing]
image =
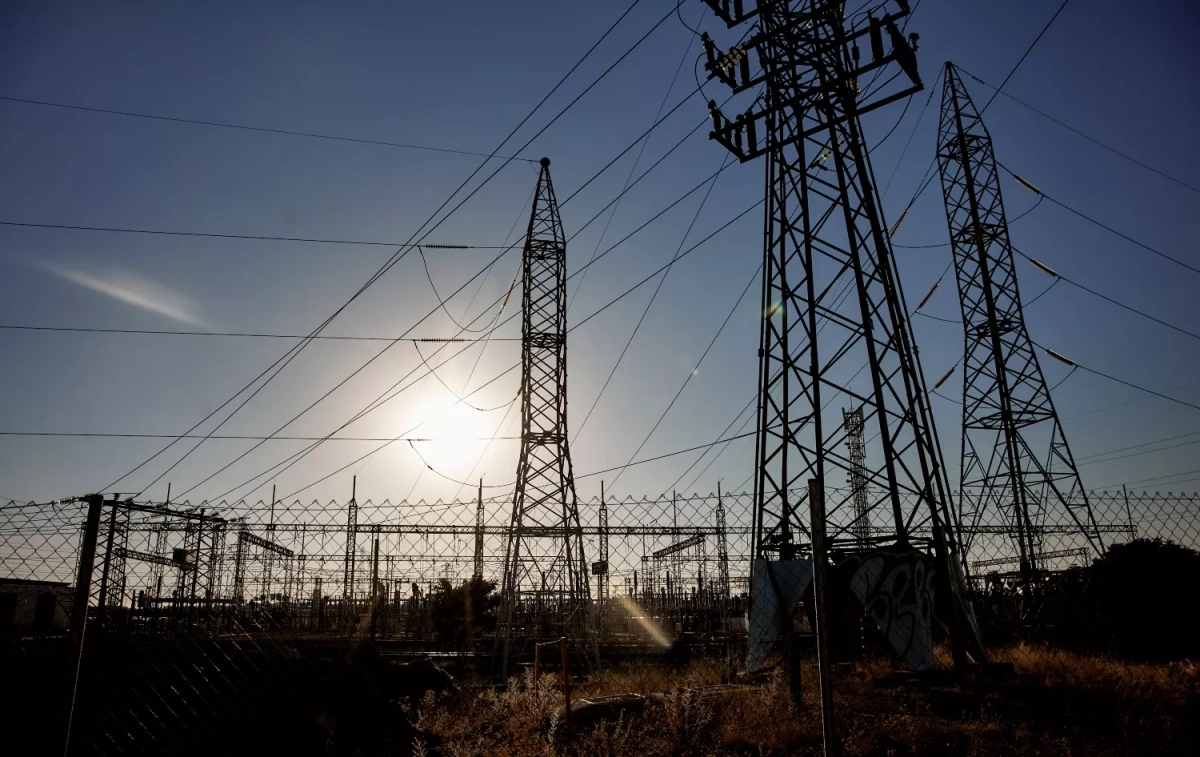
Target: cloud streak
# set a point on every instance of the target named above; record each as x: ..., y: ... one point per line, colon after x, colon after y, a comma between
x: 134, y: 290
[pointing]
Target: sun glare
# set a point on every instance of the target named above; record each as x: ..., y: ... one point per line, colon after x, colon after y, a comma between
x: 459, y: 437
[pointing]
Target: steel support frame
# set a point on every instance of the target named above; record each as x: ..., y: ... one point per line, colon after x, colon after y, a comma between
x: 1007, y: 406
x: 831, y: 300
x: 545, y: 511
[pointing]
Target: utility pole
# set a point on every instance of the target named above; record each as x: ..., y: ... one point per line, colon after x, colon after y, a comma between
x: 351, y: 538
x: 545, y: 536
x: 601, y: 569
x: 1016, y: 464
x: 835, y: 325
x: 375, y: 584
x: 478, y: 574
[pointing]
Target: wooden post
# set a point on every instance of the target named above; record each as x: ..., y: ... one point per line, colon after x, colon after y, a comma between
x: 562, y: 643
x: 816, y: 509
x: 375, y: 585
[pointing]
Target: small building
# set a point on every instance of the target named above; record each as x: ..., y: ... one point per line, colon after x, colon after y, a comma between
x: 29, y: 608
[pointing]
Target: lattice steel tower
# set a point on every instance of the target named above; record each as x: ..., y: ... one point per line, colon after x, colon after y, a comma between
x: 856, y: 451
x: 545, y: 588
x: 835, y: 326
x: 1016, y: 465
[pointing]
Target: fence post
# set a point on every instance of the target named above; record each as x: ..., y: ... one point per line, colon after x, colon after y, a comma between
x: 562, y: 643
x: 83, y: 590
x: 375, y: 585
x: 101, y: 606
x: 816, y: 509
x: 87, y: 560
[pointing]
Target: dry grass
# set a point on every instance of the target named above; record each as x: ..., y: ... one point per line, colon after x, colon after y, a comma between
x: 1058, y: 704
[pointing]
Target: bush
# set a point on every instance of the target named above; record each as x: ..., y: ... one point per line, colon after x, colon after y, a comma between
x: 460, y: 612
x: 1141, y: 601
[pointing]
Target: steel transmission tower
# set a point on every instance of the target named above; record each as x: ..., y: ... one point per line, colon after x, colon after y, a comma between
x: 545, y: 588
x: 1016, y: 464
x: 835, y: 326
x: 856, y: 451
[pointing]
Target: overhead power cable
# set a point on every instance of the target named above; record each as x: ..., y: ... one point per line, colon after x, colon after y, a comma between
x: 1143, y: 452
x: 1063, y: 359
x: 646, y: 310
x: 1089, y: 138
x: 1139, y: 446
x: 580, y: 271
x: 253, y: 237
x: 249, y: 335
x: 1059, y: 277
x: 421, y: 232
x: 260, y: 129
x: 927, y: 177
x: 1037, y: 190
x: 691, y: 374
x: 516, y: 365
x: 641, y: 151
x: 245, y: 437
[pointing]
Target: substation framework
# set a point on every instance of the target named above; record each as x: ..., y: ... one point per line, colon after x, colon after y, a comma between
x: 296, y: 578
x: 1017, y: 467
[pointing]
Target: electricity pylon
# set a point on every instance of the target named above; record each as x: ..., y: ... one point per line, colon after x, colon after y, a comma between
x: 1016, y: 465
x: 545, y: 589
x: 834, y: 323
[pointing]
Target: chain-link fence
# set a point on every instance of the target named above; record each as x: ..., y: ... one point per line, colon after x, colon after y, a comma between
x: 141, y: 627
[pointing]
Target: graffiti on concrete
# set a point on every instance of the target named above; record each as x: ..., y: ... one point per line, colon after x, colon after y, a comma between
x: 896, y: 589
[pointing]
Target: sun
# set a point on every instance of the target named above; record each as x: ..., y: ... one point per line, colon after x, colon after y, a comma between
x: 458, y: 436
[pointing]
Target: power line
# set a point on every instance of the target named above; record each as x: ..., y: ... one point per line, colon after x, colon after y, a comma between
x: 498, y: 300
x: 398, y: 255
x: 666, y: 455
x: 927, y: 178
x: 645, y: 311
x: 1089, y: 138
x: 248, y: 437
x: 1024, y: 55
x: 641, y: 151
x: 261, y: 129
x: 517, y: 365
x: 1143, y: 452
x: 250, y: 335
x: 1159, y: 478
x: 1062, y: 359
x: 571, y: 276
x: 1139, y: 446
x: 693, y: 372
x: 253, y: 237
x: 1094, y: 221
x: 1059, y: 277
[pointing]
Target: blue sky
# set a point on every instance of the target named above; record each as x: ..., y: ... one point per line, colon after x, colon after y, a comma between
x: 461, y: 76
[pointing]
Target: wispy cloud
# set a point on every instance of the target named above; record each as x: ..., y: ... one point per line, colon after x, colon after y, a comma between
x: 132, y: 289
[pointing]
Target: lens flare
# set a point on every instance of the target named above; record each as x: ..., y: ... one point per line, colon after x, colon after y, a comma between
x: 651, y: 630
